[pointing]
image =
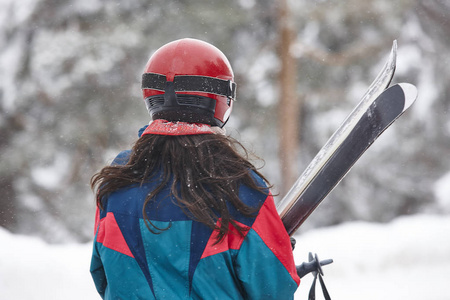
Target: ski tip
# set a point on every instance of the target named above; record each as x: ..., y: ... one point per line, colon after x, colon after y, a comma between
x: 410, y: 92
x: 394, y: 51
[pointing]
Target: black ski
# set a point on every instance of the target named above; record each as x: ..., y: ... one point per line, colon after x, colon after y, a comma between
x: 380, y: 83
x: 301, y: 201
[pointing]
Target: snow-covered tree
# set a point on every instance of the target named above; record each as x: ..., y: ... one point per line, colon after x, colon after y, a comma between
x: 70, y: 96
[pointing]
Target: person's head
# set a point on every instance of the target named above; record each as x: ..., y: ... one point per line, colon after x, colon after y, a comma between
x: 188, y: 86
x: 191, y: 81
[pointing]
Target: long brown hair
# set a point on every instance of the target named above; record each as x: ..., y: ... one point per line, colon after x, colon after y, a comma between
x: 206, y: 171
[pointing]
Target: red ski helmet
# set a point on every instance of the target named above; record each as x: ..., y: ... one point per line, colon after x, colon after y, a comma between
x: 191, y: 81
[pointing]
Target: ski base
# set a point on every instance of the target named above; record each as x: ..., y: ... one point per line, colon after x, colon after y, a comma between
x: 381, y: 113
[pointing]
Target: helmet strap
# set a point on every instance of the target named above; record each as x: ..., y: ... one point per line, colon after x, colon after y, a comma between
x: 188, y: 83
x: 170, y: 97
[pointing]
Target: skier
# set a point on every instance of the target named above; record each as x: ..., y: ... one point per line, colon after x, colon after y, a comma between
x: 184, y: 214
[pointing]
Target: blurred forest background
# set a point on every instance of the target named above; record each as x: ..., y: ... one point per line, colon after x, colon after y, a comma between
x: 70, y: 97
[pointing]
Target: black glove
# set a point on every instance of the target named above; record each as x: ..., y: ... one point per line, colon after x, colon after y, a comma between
x: 293, y: 242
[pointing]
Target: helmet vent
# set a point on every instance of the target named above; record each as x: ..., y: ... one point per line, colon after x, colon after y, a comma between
x: 191, y: 101
x: 194, y: 101
x: 155, y: 101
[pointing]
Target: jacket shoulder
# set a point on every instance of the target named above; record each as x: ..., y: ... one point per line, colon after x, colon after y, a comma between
x: 122, y: 158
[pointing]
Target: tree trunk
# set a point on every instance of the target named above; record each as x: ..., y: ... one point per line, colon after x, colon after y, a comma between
x: 289, y: 104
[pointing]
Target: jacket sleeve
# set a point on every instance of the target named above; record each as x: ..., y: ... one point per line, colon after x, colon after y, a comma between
x: 265, y: 264
x: 96, y: 269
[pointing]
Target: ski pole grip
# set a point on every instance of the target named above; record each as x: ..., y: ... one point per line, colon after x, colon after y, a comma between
x: 314, y: 265
x: 326, y: 262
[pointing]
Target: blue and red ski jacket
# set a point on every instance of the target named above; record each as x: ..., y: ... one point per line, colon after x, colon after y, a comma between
x: 182, y: 262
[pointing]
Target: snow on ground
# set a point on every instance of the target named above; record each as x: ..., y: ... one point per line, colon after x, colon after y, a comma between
x: 32, y: 269
x: 408, y: 258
